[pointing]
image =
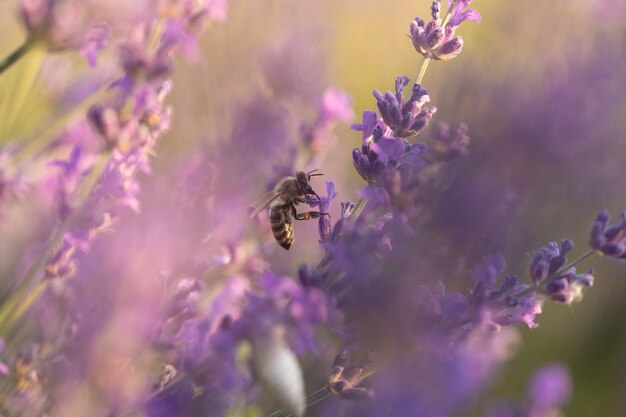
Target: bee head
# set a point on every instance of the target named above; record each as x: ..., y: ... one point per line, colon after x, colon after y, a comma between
x: 303, y: 179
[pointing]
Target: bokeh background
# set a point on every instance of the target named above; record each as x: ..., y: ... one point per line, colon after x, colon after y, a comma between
x: 541, y: 85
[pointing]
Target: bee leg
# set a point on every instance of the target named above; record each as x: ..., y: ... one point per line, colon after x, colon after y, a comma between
x: 308, y: 215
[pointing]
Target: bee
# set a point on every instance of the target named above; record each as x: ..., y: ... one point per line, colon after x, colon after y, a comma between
x: 282, y: 201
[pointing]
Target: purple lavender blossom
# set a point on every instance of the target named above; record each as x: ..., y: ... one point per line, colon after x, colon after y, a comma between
x: 549, y: 260
x: 381, y: 149
x: 608, y: 240
x: 495, y: 306
x: 437, y: 42
x: 405, y: 117
x: 564, y: 286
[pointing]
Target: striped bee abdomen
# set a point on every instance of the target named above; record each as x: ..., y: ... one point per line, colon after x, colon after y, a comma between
x: 280, y: 220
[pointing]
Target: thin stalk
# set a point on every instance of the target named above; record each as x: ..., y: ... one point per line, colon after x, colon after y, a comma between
x: 422, y: 70
x: 15, y: 56
x: 448, y: 15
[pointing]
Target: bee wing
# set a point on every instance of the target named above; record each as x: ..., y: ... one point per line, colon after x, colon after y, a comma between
x: 262, y: 202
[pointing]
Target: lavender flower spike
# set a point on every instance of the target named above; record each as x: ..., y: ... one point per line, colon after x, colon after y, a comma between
x: 380, y: 148
x: 405, y: 117
x: 435, y: 41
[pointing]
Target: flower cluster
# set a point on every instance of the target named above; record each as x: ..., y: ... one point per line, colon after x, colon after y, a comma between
x: 190, y: 307
x: 438, y: 40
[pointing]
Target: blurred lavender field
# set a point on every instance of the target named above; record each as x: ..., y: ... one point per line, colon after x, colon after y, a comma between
x: 457, y: 226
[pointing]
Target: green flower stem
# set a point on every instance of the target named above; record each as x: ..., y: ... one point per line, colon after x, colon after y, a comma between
x: 21, y: 83
x: 553, y: 277
x: 30, y: 288
x: 423, y: 67
x: 15, y: 56
x: 448, y: 15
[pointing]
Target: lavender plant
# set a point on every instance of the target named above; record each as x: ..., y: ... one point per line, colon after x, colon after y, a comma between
x: 184, y: 306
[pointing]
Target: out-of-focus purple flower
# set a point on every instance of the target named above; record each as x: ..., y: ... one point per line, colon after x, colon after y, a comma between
x: 488, y: 273
x: 550, y: 388
x: 73, y: 171
x: 435, y: 303
x: 608, y: 240
x: 299, y: 309
x: 60, y: 26
x: 437, y: 42
x: 405, y: 117
x: 142, y: 62
x: 447, y: 143
x: 216, y: 9
x: 334, y: 106
x: 359, y: 245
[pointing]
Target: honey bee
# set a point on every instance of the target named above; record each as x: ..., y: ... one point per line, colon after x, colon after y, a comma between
x: 282, y: 201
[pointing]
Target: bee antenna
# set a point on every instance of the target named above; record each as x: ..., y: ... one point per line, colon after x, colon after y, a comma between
x: 316, y: 175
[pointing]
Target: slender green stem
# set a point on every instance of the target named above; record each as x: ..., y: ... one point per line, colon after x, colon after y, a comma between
x: 15, y: 56
x: 553, y: 277
x: 448, y: 15
x: 422, y: 70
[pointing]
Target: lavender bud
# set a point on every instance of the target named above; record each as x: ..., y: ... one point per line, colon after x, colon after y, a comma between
x: 435, y: 9
x: 450, y: 49
x: 611, y: 240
